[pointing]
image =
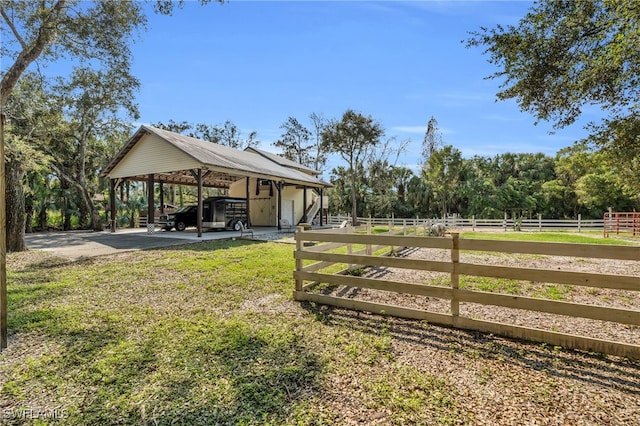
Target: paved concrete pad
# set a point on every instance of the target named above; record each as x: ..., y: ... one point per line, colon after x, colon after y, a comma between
x: 77, y: 244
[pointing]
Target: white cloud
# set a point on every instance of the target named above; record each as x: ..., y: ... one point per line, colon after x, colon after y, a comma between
x: 409, y: 129
x: 420, y: 130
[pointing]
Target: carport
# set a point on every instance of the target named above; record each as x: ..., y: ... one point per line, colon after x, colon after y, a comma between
x: 154, y: 155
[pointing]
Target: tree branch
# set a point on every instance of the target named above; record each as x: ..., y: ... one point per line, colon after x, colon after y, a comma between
x: 14, y: 30
x: 29, y: 54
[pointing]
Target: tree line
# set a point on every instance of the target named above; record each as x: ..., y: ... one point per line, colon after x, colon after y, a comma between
x: 577, y: 180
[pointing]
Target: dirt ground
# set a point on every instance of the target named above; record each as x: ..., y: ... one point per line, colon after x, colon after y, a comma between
x: 504, y: 381
x: 575, y: 294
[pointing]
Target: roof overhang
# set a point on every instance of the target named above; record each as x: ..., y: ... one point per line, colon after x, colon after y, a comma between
x: 220, y: 165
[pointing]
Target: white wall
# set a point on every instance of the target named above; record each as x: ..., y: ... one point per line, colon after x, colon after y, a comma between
x: 264, y: 209
x: 153, y: 155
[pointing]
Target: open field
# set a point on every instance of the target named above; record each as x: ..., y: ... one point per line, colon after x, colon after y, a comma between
x: 208, y: 333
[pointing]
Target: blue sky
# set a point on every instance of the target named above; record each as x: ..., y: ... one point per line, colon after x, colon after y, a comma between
x: 258, y: 62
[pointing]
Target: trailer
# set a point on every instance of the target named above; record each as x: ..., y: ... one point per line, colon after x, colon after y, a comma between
x: 217, y: 213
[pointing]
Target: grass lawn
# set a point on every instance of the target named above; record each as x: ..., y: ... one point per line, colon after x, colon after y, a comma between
x: 200, y: 334
x: 549, y: 237
x: 208, y: 334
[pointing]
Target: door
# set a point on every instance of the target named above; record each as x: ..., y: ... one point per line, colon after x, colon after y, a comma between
x: 287, y: 211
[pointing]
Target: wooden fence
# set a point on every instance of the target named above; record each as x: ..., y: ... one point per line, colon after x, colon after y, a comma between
x: 506, y: 224
x: 323, y: 257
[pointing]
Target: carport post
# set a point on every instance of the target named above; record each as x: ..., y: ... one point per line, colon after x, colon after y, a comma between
x: 161, y: 198
x: 151, y: 208
x: 199, y: 215
x: 112, y: 204
x: 279, y: 188
x: 322, y: 207
x: 248, y: 209
x: 304, y: 204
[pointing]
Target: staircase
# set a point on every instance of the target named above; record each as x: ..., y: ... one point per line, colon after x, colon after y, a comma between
x: 313, y: 210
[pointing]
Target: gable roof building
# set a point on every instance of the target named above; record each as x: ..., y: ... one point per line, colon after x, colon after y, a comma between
x: 171, y: 157
x: 159, y: 156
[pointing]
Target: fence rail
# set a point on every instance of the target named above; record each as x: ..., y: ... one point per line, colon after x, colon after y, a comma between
x: 617, y: 222
x: 314, y: 263
x: 507, y: 224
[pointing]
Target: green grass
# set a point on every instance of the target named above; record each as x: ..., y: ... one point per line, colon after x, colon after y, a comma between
x: 199, y: 334
x: 492, y: 285
x: 554, y: 237
x: 506, y: 286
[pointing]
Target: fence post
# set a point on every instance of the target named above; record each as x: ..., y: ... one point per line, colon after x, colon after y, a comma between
x: 540, y: 222
x: 473, y: 222
x: 404, y: 227
x: 455, y: 278
x: 368, y: 246
x: 504, y: 222
x: 390, y: 232
x: 299, y: 262
x: 579, y: 222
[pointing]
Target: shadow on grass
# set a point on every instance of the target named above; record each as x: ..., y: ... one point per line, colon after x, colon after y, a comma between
x: 210, y: 245
x: 594, y: 368
x: 33, y: 284
x: 226, y: 372
x: 179, y: 371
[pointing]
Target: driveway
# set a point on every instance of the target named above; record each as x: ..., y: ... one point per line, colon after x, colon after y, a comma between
x: 77, y: 244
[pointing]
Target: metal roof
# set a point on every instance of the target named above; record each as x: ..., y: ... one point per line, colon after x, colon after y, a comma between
x: 283, y: 161
x: 221, y: 165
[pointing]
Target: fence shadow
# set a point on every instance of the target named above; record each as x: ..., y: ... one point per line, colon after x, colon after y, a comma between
x: 581, y: 366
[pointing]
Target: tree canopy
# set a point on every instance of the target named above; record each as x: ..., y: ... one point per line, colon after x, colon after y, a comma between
x: 95, y: 39
x: 228, y: 134
x: 431, y: 142
x: 565, y: 55
x: 302, y: 145
x: 352, y: 138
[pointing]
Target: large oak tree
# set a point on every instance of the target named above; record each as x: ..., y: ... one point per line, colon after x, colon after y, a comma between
x: 568, y: 54
x: 86, y: 32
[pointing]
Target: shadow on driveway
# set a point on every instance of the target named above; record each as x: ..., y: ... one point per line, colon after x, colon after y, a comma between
x: 77, y: 244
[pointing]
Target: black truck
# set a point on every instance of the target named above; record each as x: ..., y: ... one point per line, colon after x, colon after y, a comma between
x: 217, y: 213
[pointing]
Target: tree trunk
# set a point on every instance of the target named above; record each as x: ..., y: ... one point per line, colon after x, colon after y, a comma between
x: 66, y: 206
x: 83, y: 213
x: 29, y: 211
x: 42, y: 215
x: 96, y: 220
x: 89, y: 215
x: 354, y: 207
x: 132, y: 217
x: 88, y: 211
x: 15, y: 207
x: 444, y: 206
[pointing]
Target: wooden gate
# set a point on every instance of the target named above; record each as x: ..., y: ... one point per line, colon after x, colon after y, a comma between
x: 617, y: 222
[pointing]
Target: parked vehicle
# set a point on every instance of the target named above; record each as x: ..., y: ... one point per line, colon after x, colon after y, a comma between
x: 217, y: 213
